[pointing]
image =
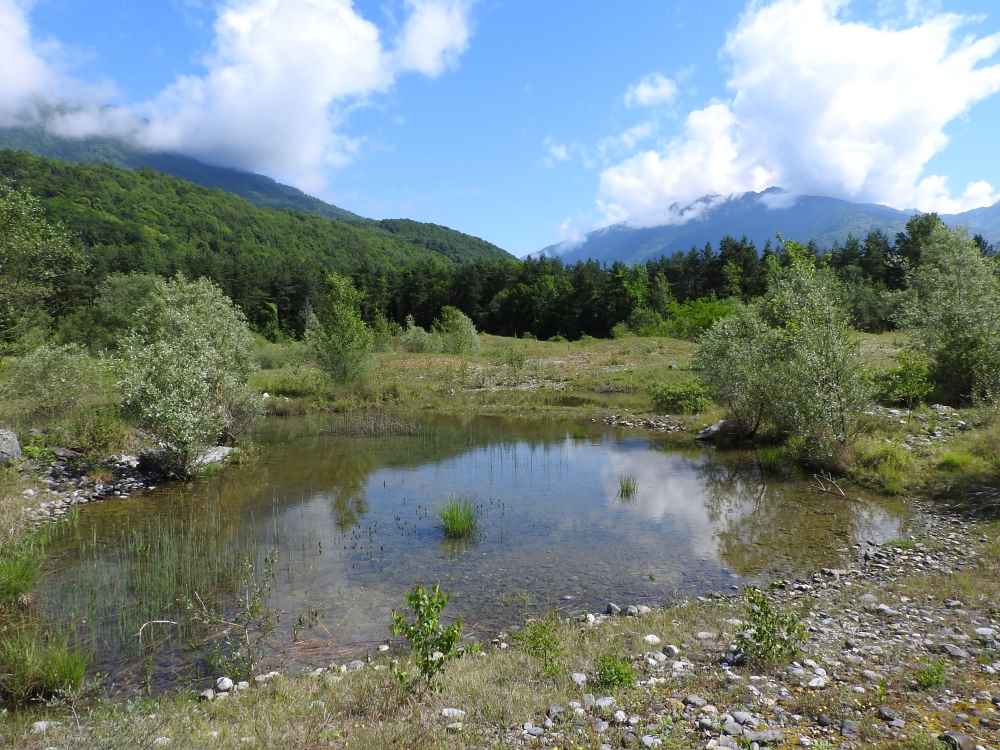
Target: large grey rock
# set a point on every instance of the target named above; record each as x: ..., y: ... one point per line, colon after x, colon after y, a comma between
x: 216, y: 455
x: 10, y: 447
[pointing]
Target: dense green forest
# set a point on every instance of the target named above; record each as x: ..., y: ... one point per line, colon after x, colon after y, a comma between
x: 273, y: 263
x: 260, y: 190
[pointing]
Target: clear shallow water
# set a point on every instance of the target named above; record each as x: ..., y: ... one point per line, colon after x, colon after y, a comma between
x: 354, y: 525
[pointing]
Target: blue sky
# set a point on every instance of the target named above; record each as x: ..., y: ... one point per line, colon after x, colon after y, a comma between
x: 510, y: 119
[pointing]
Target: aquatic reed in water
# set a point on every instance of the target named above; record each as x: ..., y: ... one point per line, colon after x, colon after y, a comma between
x: 458, y: 517
x: 628, y: 486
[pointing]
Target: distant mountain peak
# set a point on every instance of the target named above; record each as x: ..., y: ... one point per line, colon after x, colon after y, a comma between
x: 760, y: 217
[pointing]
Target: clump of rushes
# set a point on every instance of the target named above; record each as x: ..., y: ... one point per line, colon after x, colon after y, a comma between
x: 36, y: 666
x: 612, y: 672
x: 458, y: 517
x: 628, y: 486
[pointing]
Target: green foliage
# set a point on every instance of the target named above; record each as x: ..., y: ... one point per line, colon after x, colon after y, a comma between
x: 456, y: 332
x: 95, y: 433
x: 385, y: 332
x: 339, y: 340
x: 432, y: 644
x: 38, y: 666
x: 19, y: 567
x: 791, y: 360
x: 954, y: 316
x: 512, y: 356
x: 416, y: 339
x: 458, y: 517
x: 883, y: 464
x: 39, y: 262
x: 679, y: 398
x: 628, y: 487
x: 908, y: 383
x: 690, y: 319
x: 772, y: 635
x: 100, y: 325
x: 246, y: 630
x: 184, y: 368
x: 540, y: 640
x: 54, y: 381
x: 613, y: 672
x: 930, y: 675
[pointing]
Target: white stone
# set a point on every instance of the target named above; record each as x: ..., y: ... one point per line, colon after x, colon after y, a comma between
x: 223, y: 685
x: 453, y: 713
x: 652, y: 640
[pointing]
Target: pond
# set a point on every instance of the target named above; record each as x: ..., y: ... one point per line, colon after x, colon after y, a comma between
x: 351, y: 523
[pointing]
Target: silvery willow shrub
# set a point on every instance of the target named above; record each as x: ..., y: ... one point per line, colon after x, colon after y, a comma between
x: 416, y: 339
x: 457, y: 332
x: 183, y: 369
x: 791, y: 361
x: 734, y: 360
x: 954, y: 316
x: 338, y: 339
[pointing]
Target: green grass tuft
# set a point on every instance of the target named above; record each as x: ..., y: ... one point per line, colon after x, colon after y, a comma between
x: 628, y: 487
x: 35, y: 666
x: 458, y: 517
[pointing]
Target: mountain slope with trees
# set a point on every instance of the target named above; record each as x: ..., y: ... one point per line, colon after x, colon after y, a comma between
x: 257, y: 189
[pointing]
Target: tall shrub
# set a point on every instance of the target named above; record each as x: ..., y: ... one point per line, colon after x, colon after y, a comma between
x: 791, y: 361
x: 184, y: 368
x: 456, y: 331
x: 954, y: 316
x: 339, y: 340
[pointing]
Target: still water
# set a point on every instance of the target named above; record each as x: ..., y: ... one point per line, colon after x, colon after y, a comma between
x: 352, y: 524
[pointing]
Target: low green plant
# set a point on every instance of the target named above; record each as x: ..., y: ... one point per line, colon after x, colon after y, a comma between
x: 540, y: 640
x: 512, y: 357
x: 689, y: 397
x: 38, y: 666
x: 245, y: 631
x: 458, y: 517
x: 772, y: 635
x: 20, y: 563
x: 613, y: 672
x: 883, y: 464
x: 53, y: 381
x: 96, y: 433
x: 432, y: 644
x: 908, y: 383
x: 628, y: 487
x: 930, y: 675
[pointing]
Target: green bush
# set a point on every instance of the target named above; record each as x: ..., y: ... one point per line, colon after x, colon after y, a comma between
x: 340, y: 341
x: 930, y: 675
x: 54, y: 381
x: 432, y: 644
x: 96, y: 433
x: 184, y: 370
x: 540, y: 640
x: 35, y: 666
x: 772, y: 635
x: 613, y: 672
x: 689, y: 320
x: 458, y: 517
x: 456, y: 331
x: 908, y: 383
x: 417, y: 340
x: 954, y: 315
x: 679, y: 398
x: 384, y: 332
x: 885, y: 465
x: 792, y: 361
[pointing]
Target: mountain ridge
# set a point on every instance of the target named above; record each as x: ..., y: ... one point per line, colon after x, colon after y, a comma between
x: 258, y: 189
x: 760, y: 217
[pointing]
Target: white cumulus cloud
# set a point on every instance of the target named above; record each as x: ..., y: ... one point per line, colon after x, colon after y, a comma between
x: 277, y: 85
x: 821, y: 104
x: 651, y: 91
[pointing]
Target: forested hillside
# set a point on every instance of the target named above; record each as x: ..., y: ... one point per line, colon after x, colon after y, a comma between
x: 259, y: 190
x: 266, y: 260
